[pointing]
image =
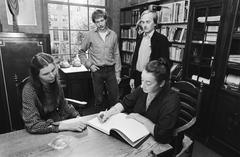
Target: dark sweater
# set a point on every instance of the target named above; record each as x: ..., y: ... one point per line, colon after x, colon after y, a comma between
x: 162, y: 111
x: 159, y: 47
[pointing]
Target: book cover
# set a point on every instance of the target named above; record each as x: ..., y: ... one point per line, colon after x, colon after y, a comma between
x: 132, y: 131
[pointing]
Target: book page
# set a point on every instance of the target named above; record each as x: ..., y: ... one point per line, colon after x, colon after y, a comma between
x: 133, y: 129
x: 129, y: 127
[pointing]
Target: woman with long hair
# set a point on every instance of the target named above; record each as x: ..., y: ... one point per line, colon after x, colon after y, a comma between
x: 43, y: 99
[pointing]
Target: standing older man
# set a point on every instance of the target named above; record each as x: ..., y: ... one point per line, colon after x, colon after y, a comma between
x: 150, y: 45
x: 103, y: 60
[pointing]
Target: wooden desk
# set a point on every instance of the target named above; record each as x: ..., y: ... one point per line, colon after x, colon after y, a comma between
x: 90, y: 143
x: 78, y: 83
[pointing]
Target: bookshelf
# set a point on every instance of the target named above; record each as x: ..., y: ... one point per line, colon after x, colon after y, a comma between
x: 212, y: 56
x: 203, y: 38
x: 172, y: 22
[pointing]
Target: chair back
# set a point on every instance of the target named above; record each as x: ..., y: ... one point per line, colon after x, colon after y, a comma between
x: 190, y: 99
x: 19, y: 87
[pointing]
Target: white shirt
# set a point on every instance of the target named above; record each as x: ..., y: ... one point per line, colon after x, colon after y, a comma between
x: 103, y: 35
x: 144, y: 52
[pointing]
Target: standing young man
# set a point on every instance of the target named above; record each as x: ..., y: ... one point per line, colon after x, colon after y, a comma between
x: 150, y: 45
x: 103, y: 60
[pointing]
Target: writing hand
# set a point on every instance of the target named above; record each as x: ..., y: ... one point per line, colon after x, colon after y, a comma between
x: 103, y: 116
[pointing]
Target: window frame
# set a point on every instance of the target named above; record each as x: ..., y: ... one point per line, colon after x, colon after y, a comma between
x: 68, y: 29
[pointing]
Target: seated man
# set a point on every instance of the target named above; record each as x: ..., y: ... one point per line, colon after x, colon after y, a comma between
x: 153, y: 103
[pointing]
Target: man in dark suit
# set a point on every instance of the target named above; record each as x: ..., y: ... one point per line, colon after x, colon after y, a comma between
x: 150, y: 45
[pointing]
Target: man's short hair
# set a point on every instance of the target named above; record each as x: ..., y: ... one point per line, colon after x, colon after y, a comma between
x: 98, y: 14
x: 154, y: 15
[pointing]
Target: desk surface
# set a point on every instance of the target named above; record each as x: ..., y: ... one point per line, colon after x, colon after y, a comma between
x: 89, y: 143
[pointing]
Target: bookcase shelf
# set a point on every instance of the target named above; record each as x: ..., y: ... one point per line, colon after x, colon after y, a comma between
x: 212, y: 53
x: 175, y: 28
x: 171, y: 23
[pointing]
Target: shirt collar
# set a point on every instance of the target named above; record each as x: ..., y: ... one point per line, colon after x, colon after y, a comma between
x: 108, y: 30
x: 149, y: 34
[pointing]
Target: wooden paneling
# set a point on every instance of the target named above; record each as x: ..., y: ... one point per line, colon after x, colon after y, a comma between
x: 16, y: 51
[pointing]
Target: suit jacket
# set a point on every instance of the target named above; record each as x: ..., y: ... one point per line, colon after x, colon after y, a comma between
x: 159, y: 46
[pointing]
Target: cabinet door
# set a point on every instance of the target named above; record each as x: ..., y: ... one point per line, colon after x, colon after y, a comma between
x: 226, y: 126
x: 16, y: 51
x: 203, y: 35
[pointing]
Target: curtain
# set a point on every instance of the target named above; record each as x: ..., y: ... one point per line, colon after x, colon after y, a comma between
x: 14, y: 9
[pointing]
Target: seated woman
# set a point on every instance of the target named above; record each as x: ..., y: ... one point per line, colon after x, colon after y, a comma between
x: 43, y: 99
x: 153, y: 103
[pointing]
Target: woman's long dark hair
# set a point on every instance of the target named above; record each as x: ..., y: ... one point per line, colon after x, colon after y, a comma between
x: 38, y: 62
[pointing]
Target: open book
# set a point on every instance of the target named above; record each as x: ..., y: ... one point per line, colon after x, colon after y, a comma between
x: 129, y: 129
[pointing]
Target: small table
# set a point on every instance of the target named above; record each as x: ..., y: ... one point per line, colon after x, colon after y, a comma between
x: 90, y: 143
x: 78, y: 83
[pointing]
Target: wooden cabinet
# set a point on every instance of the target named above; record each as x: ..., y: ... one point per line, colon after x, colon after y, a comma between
x: 226, y: 124
x: 212, y: 56
x: 16, y: 51
x: 77, y: 83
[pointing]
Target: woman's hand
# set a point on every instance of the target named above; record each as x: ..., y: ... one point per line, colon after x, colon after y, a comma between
x: 76, y: 126
x: 104, y: 115
x: 146, y: 122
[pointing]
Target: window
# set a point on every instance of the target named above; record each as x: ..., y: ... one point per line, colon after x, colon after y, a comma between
x: 65, y: 35
x: 68, y: 21
x: 55, y: 34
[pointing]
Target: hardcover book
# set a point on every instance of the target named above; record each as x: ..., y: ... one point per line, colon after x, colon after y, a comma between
x: 132, y: 131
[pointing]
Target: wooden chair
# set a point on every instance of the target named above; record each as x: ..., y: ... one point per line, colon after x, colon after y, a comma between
x: 190, y: 98
x: 19, y: 87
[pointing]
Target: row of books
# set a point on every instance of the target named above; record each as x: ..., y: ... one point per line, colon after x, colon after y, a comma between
x: 234, y: 58
x: 176, y: 53
x: 174, y: 12
x: 130, y: 33
x: 127, y: 58
x: 211, y: 37
x: 174, y: 33
x: 200, y: 79
x: 204, y: 19
x: 129, y: 17
x: 232, y: 81
x: 128, y: 46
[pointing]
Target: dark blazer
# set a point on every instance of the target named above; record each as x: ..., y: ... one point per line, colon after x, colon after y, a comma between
x: 160, y: 48
x: 162, y: 111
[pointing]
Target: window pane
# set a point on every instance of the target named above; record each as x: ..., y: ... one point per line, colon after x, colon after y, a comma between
x: 78, y: 1
x: 59, y: 44
x: 76, y: 39
x: 97, y: 2
x: 78, y: 18
x: 65, y: 35
x: 57, y: 16
x: 92, y: 26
